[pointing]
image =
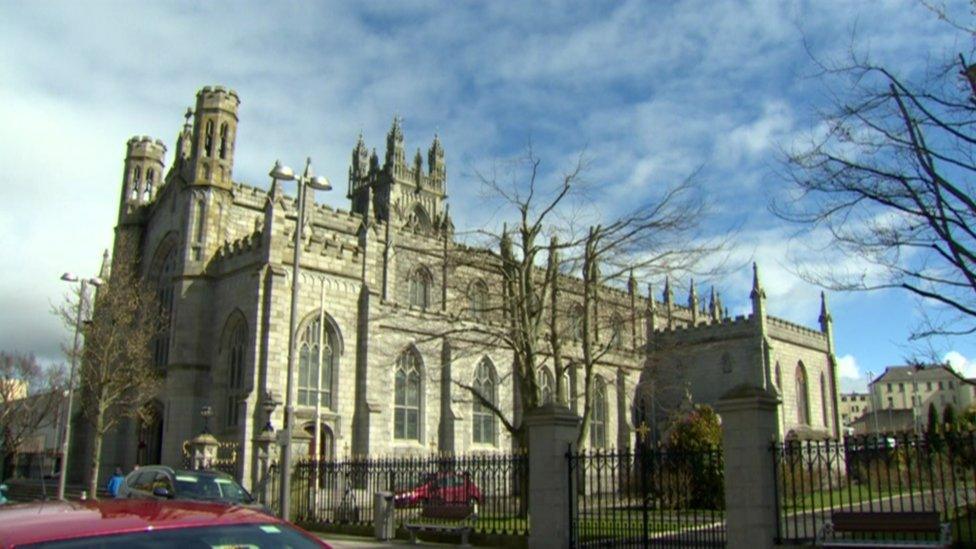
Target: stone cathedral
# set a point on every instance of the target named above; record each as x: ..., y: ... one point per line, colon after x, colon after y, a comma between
x: 378, y: 291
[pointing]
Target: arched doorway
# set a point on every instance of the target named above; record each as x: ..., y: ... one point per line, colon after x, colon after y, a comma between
x: 326, y: 441
x: 150, y: 446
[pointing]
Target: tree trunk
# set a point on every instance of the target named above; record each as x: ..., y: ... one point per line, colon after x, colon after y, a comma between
x: 96, y: 455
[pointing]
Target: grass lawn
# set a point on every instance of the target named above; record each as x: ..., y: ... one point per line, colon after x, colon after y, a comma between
x: 835, y: 497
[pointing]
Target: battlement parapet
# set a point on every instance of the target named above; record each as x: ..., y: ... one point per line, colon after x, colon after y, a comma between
x: 218, y: 97
x: 143, y: 145
x: 792, y: 327
x: 239, y: 246
x: 708, y: 328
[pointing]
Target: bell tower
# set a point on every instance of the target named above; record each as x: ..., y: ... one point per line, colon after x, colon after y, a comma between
x: 143, y: 173
x: 214, y: 137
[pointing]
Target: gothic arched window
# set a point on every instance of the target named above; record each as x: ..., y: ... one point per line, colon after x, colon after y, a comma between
x: 598, y: 416
x: 479, y: 299
x: 235, y: 351
x: 823, y: 400
x: 406, y: 405
x: 576, y: 321
x: 317, y: 360
x: 482, y: 418
x: 547, y: 386
x: 616, y: 332
x: 420, y: 218
x: 136, y: 177
x: 420, y: 283
x: 802, y: 396
x: 778, y: 377
x: 150, y: 180
x: 208, y: 139
x: 223, y: 141
x: 163, y: 273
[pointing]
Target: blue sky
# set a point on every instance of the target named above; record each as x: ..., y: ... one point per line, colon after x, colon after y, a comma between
x: 650, y: 90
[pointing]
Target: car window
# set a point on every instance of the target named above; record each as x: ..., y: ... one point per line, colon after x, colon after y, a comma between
x: 162, y: 481
x: 252, y: 536
x: 144, y: 482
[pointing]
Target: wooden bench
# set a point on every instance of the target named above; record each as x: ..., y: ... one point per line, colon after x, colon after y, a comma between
x: 442, y: 517
x: 852, y: 522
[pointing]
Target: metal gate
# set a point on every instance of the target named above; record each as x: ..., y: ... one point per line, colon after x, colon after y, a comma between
x: 647, y: 498
x: 227, y: 459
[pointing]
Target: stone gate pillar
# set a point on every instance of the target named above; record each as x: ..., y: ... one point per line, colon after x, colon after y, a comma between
x: 552, y: 430
x: 749, y: 426
x: 203, y: 449
x: 264, y: 446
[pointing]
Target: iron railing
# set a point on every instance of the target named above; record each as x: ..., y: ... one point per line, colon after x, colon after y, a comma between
x: 886, y: 473
x: 337, y: 493
x: 651, y: 497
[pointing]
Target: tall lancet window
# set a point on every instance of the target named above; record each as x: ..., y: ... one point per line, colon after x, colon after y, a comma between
x: 316, y: 364
x: 208, y: 139
x: 165, y: 271
x: 223, y: 140
x: 482, y: 418
x: 235, y: 349
x: 598, y: 417
x: 802, y: 396
x: 406, y: 403
x: 420, y: 283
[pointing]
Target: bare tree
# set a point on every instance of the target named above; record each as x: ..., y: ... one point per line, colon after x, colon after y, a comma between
x: 30, y: 397
x: 582, y: 256
x: 117, y: 377
x: 891, y: 180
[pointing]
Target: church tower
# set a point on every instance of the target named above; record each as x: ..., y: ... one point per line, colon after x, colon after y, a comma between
x: 214, y: 136
x: 143, y: 173
x: 401, y: 192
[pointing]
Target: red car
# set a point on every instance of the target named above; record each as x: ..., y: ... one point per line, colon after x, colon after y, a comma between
x: 454, y: 488
x: 118, y: 523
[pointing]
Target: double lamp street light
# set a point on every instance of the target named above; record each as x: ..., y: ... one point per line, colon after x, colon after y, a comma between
x: 66, y: 433
x: 320, y: 183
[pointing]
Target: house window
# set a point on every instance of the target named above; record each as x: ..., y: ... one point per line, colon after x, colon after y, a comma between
x: 598, y: 419
x: 316, y: 364
x: 483, y: 419
x: 802, y: 402
x: 479, y: 300
x: 406, y: 407
x: 420, y: 289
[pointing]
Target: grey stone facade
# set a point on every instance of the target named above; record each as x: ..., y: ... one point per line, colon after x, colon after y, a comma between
x: 221, y: 253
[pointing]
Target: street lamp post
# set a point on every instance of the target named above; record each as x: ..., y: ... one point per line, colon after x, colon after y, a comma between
x: 66, y: 432
x: 284, y: 173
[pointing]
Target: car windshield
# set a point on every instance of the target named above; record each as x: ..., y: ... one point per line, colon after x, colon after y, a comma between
x: 210, y: 487
x: 250, y: 536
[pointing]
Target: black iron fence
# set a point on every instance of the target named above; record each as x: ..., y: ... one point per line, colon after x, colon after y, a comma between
x: 339, y: 493
x: 884, y: 473
x: 647, y: 498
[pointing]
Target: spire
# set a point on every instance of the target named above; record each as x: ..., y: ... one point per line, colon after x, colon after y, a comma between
x: 693, y: 302
x: 631, y: 283
x: 668, y: 294
x: 394, y: 145
x: 757, y: 289
x: 106, y: 269
x: 825, y: 318
x: 713, y: 306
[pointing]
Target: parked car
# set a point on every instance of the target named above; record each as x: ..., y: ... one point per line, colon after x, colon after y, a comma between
x: 451, y: 488
x: 162, y: 482
x: 122, y: 523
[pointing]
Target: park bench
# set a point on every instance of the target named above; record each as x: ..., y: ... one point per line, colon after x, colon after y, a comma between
x: 874, y: 523
x: 442, y: 517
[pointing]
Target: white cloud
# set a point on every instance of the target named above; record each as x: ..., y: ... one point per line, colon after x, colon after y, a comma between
x: 847, y: 367
x: 960, y: 363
